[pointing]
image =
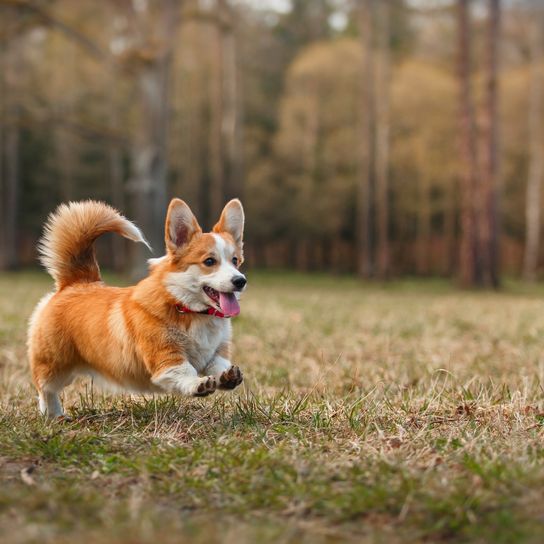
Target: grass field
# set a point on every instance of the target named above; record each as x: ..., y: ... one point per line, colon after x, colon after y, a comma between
x: 369, y: 414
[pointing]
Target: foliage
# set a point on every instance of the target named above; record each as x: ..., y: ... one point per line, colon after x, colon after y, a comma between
x: 295, y: 153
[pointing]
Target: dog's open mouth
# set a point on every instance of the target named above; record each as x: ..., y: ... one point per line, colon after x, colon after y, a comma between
x: 227, y: 302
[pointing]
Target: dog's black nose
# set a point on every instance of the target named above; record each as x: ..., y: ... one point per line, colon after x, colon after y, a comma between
x: 239, y: 282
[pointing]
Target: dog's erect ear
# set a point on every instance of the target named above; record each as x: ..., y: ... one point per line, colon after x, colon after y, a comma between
x: 232, y: 221
x: 181, y: 225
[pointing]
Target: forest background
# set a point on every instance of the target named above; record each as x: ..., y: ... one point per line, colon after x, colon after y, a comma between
x: 378, y: 137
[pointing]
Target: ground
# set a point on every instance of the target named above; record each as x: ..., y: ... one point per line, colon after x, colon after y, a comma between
x: 369, y: 413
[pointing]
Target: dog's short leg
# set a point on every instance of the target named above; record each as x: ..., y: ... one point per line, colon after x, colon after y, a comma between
x: 228, y: 376
x: 49, y: 390
x: 49, y: 383
x: 217, y: 366
x: 50, y: 404
x: 183, y: 379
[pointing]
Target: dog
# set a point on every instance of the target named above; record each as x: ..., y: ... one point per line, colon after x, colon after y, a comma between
x: 170, y: 333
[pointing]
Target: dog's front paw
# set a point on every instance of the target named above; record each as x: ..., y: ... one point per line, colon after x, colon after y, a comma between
x: 231, y: 378
x: 206, y: 387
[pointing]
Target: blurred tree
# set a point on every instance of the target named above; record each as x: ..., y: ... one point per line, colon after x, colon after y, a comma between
x: 218, y: 163
x: 191, y: 112
x: 150, y: 58
x: 365, y: 193
x: 314, y: 145
x: 489, y: 224
x: 12, y: 36
x: 470, y: 270
x: 224, y: 130
x: 116, y: 151
x: 373, y: 195
x: 306, y: 22
x: 536, y: 144
x: 382, y: 138
x: 64, y: 89
x: 424, y: 169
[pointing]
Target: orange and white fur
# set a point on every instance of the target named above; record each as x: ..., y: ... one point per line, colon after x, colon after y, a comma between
x: 135, y: 337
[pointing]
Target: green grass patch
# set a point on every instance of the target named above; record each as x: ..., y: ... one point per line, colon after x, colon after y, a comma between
x: 403, y: 413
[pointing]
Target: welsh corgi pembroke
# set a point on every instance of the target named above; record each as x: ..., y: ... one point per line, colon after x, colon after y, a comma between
x: 170, y: 333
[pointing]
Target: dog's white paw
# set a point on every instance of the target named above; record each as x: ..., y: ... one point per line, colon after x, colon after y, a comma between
x: 206, y: 387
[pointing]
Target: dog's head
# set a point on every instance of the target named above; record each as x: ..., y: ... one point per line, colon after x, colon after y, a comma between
x: 201, y: 270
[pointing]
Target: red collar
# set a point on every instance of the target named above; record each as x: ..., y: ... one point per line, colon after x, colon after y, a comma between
x: 180, y: 308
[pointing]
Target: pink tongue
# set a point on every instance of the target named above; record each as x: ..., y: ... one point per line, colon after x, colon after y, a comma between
x: 229, y: 304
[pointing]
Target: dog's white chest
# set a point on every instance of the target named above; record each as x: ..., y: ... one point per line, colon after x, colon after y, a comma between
x: 204, y: 339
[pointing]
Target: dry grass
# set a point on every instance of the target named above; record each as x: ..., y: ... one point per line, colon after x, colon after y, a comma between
x: 407, y: 413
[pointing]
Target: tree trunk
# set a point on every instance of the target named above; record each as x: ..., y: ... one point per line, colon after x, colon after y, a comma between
x: 231, y: 115
x: 449, y: 231
x: 366, y: 153
x: 536, y: 164
x: 115, y: 154
x: 118, y: 200
x: 149, y: 163
x: 469, y: 273
x: 217, y: 118
x: 382, y: 142
x: 225, y: 160
x: 423, y: 226
x: 488, y: 214
x: 149, y: 183
x: 190, y: 138
x: 192, y: 129
x: 115, y: 159
x: 64, y: 150
x: 9, y: 257
x: 65, y: 147
x: 3, y: 183
x: 10, y: 63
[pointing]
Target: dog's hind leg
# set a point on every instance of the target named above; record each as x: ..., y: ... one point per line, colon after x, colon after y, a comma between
x: 49, y: 395
x: 49, y: 386
x: 50, y: 405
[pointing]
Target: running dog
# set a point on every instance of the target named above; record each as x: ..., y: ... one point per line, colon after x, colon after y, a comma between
x: 170, y: 333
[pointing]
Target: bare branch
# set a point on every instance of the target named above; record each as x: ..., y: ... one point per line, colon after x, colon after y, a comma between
x: 75, y: 35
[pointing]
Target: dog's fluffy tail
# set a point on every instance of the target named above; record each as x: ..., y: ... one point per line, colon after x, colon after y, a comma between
x: 66, y: 248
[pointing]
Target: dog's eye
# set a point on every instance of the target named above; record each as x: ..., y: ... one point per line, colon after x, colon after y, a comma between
x: 210, y: 261
x: 235, y: 261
